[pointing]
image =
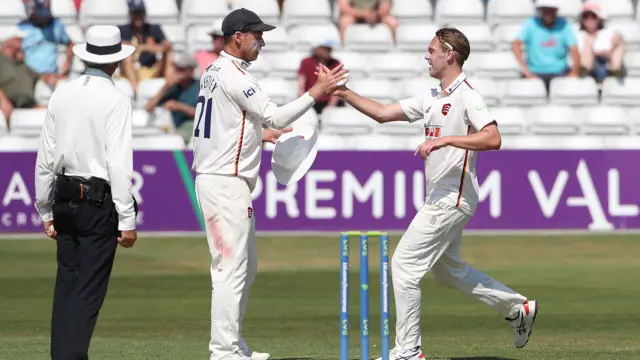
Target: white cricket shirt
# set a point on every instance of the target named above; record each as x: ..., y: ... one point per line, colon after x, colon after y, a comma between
x: 87, y: 131
x: 450, y: 172
x: 227, y: 137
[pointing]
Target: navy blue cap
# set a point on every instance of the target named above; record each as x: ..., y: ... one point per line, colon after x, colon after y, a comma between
x: 243, y: 20
x: 136, y: 6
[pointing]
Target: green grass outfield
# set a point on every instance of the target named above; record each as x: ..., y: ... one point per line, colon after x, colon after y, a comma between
x: 158, y: 301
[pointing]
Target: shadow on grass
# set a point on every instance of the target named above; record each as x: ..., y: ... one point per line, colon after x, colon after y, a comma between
x: 472, y: 358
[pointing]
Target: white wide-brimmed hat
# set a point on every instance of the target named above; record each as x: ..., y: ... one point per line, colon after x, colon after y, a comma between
x: 294, y: 154
x: 555, y: 4
x: 103, y: 46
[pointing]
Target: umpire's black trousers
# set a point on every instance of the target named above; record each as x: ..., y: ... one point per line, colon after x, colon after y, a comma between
x: 87, y: 241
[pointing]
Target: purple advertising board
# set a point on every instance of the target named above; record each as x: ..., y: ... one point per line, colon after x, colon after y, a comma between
x: 519, y: 190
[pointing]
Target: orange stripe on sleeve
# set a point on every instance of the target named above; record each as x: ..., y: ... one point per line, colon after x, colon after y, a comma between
x: 464, y: 172
x: 237, y: 162
x: 238, y: 67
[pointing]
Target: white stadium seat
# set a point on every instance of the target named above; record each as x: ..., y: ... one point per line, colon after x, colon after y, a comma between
x: 65, y: 10
x: 4, y: 128
x: 503, y: 36
x: 346, y: 121
x: 604, y: 120
x: 553, y: 120
x: 276, y: 40
x: 162, y: 11
x: 158, y: 142
x: 497, y: 65
x: 147, y: 89
x: 501, y: 12
x: 617, y: 9
x: 459, y: 11
x: 142, y: 124
x: 125, y: 87
x: 103, y: 12
x: 630, y: 31
x: 380, y: 90
x: 268, y: 10
x: 355, y: 62
x: 177, y: 36
x: 285, y: 65
x: 511, y: 120
x: 75, y: 33
x: 632, y: 63
x: 479, y: 35
x: 27, y: 122
x: 303, y: 38
x: 203, y: 12
x: 12, y: 12
x: 525, y: 92
x: 415, y: 37
x: 634, y: 117
x: 260, y: 68
x: 487, y: 88
x: 417, y: 86
x: 42, y: 93
x: 379, y: 142
x: 573, y: 91
x: 366, y: 38
x: 14, y: 143
x: 400, y: 128
x: 198, y: 38
x: 279, y: 90
x: 307, y: 12
x: 624, y: 92
x: 309, y: 118
x: 412, y: 11
x: 394, y: 65
x: 332, y: 142
x: 570, y: 8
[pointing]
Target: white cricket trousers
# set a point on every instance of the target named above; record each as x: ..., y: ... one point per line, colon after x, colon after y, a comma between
x: 432, y: 243
x: 225, y: 202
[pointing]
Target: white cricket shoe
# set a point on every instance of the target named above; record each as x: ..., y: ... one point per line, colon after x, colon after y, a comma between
x: 253, y: 355
x: 410, y: 354
x: 523, y: 322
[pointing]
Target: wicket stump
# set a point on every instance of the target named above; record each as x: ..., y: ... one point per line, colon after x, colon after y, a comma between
x: 364, y: 293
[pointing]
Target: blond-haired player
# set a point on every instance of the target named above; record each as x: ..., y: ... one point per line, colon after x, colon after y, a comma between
x: 458, y: 125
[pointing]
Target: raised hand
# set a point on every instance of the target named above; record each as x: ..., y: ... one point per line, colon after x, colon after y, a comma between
x: 328, y: 80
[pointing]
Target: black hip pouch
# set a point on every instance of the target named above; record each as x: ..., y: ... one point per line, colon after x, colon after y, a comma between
x: 69, y: 188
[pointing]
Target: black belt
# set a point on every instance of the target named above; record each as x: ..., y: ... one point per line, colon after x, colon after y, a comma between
x: 77, y: 189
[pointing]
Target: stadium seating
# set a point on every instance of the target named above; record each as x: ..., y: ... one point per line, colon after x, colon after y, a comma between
x: 380, y: 68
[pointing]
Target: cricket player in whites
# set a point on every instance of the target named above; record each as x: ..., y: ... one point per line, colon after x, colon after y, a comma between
x: 227, y: 139
x: 458, y: 125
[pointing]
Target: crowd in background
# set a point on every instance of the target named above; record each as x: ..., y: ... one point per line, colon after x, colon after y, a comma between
x: 30, y: 54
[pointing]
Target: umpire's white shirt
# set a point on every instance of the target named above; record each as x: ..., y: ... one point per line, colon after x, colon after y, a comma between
x: 457, y: 110
x: 229, y: 116
x: 87, y: 131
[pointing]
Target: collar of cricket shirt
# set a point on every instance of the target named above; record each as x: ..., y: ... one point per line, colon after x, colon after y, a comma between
x: 457, y: 82
x: 243, y: 64
x: 98, y: 73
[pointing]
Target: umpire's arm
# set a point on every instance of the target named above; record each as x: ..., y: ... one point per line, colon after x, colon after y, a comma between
x: 44, y: 169
x: 119, y: 154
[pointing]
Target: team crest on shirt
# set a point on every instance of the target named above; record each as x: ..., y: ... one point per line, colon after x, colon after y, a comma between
x: 445, y: 109
x: 250, y: 211
x: 432, y: 131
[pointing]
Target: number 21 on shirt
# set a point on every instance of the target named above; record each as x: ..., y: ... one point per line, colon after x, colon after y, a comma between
x: 205, y: 108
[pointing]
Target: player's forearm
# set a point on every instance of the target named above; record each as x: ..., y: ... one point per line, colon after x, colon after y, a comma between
x: 482, y: 141
x: 283, y: 116
x: 371, y: 108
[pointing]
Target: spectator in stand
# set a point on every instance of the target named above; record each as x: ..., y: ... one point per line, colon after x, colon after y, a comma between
x: 42, y: 35
x: 206, y: 57
x: 365, y: 11
x: 601, y: 48
x: 549, y: 39
x: 150, y: 41
x: 179, y: 95
x: 307, y: 77
x: 17, y: 80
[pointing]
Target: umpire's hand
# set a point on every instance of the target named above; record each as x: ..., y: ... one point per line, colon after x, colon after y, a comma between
x: 128, y: 238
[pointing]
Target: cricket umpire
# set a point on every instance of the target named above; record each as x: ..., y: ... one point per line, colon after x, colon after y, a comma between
x: 83, y: 188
